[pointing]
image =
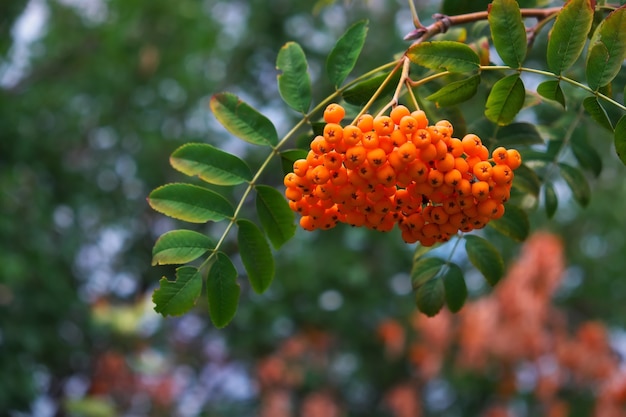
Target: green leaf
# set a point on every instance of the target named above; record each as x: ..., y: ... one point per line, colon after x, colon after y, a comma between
x: 586, y: 155
x: 455, y: 92
x: 569, y: 34
x: 289, y: 156
x: 620, y: 139
x: 550, y: 199
x: 210, y: 164
x: 519, y: 134
x: 455, y: 288
x: 277, y: 219
x: 430, y: 297
x: 177, y: 297
x: 242, y: 120
x: 256, y: 255
x: 551, y: 90
x: 505, y: 99
x: 294, y: 84
x: 361, y: 93
x: 485, y: 257
x: 190, y: 203
x: 607, y: 50
x: 222, y: 290
x: 527, y: 180
x: 180, y: 247
x: 444, y: 56
x: 597, y: 112
x: 344, y: 54
x: 577, y: 183
x: 514, y: 223
x: 424, y: 269
x: 508, y: 31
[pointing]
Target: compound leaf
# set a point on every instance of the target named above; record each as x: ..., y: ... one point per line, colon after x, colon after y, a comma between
x: 256, y: 255
x: 344, y: 54
x: 242, y: 120
x: 505, y: 99
x: 424, y: 269
x: 277, y: 219
x: 177, y: 297
x: 294, y: 83
x: 190, y: 203
x: 222, y: 290
x: 455, y: 92
x: 444, y: 56
x: 569, y: 34
x: 210, y: 164
x: 485, y: 257
x: 607, y: 49
x: 508, y: 31
x: 180, y: 247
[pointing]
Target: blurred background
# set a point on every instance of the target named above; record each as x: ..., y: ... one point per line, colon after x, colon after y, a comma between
x: 95, y: 95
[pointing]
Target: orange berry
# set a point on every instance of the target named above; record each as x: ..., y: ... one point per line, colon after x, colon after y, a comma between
x: 385, y: 143
x: 421, y: 138
x: 290, y: 180
x: 386, y: 175
x: 423, y: 188
x: 307, y: 223
x: 451, y: 206
x: 398, y: 112
x: 431, y: 230
x: 501, y: 193
x: 334, y: 113
x: 355, y: 219
x: 429, y: 153
x: 483, y: 153
x: 455, y: 147
x: 471, y: 144
x: 408, y: 125
x: 482, y: 170
x: 446, y: 163
x: 487, y: 207
x: 370, y: 140
x: 435, y: 178
x: 355, y: 156
x: 339, y: 177
x: 461, y: 165
x: 442, y: 149
x: 333, y: 132
x: 514, y: 159
x: 420, y: 117
x: 499, y: 212
x: 300, y: 167
x: 352, y: 135
x: 502, y: 174
x: 418, y: 171
x: 500, y: 155
x: 480, y: 190
x: 293, y: 194
x: 383, y: 125
x: 464, y: 188
x: 452, y: 177
x: 366, y: 171
x: 333, y: 160
x: 439, y: 215
x: 365, y: 123
x: 398, y: 138
x: 396, y: 160
x: 376, y: 157
x: 318, y: 175
x: 408, y: 152
x: 435, y: 134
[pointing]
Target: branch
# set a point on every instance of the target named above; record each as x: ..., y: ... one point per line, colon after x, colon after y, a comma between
x: 443, y: 22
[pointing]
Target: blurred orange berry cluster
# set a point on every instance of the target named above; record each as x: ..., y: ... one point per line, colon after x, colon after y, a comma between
x: 384, y: 170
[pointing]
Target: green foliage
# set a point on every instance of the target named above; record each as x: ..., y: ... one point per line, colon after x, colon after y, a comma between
x: 444, y: 56
x: 210, y: 164
x: 256, y: 255
x: 277, y: 219
x: 576, y: 182
x: 620, y: 139
x: 485, y: 257
x: 569, y: 34
x: 455, y: 92
x: 607, y: 50
x: 455, y: 287
x: 343, y: 56
x: 177, y: 297
x: 505, y: 100
x: 551, y: 90
x: 180, y: 247
x: 190, y: 203
x: 222, y: 290
x: 508, y: 31
x: 294, y: 83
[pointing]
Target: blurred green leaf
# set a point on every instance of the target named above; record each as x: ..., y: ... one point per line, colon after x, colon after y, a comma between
x: 345, y: 53
x: 294, y: 83
x: 210, y: 164
x: 222, y: 290
x: 444, y: 56
x: 505, y: 99
x: 177, y: 297
x: 569, y: 34
x: 455, y: 287
x: 455, y: 92
x: 586, y: 155
x: 514, y: 223
x: 424, y: 269
x: 527, y: 180
x: 597, y: 112
x: 277, y: 219
x: 256, y: 255
x: 607, y: 49
x: 180, y: 247
x: 190, y: 203
x: 508, y: 31
x: 576, y: 182
x: 620, y: 139
x: 242, y: 120
x: 551, y: 90
x: 430, y: 296
x: 550, y: 199
x: 485, y: 257
x: 360, y: 93
x: 518, y: 134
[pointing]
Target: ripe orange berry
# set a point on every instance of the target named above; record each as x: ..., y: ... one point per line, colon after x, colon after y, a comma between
x: 300, y: 167
x: 334, y: 113
x: 306, y: 222
x: 502, y: 174
x: 418, y: 171
x: 461, y: 165
x: 464, y: 188
x: 420, y: 117
x: 500, y: 155
x: 408, y: 152
x: 398, y: 112
x: 383, y: 125
x: 455, y: 147
x: 482, y: 170
x: 333, y: 132
x: 483, y: 152
x: 376, y: 157
x: 333, y: 160
x: 429, y: 153
x: 365, y: 122
x: 386, y: 175
x: 480, y: 190
x: 446, y: 163
x: 318, y: 175
x: 501, y: 193
x: 370, y: 140
x: 408, y: 125
x: 421, y: 138
x: 442, y: 149
x: 339, y: 177
x: 439, y: 215
x: 471, y: 144
x: 385, y: 143
x: 452, y: 177
x: 435, y: 178
x: 355, y: 156
x: 293, y: 194
x: 487, y: 207
x: 398, y: 138
x: 514, y: 159
x: 352, y: 135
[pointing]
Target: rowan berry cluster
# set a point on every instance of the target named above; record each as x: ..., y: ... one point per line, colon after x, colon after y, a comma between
x: 396, y: 168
